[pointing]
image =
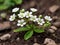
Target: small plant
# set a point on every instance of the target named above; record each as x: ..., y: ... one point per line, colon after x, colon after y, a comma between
x: 29, y: 22
x: 4, y: 4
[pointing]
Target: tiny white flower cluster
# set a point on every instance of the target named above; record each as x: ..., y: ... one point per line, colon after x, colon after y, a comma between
x: 12, y: 17
x: 33, y: 9
x: 28, y: 15
x: 21, y: 15
x: 48, y: 18
x: 15, y: 9
x: 21, y: 23
x: 40, y: 21
x: 33, y: 18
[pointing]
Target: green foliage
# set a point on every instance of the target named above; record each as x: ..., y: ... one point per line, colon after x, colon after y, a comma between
x: 1, y: 1
x: 4, y: 4
x: 21, y: 29
x: 39, y: 30
x: 28, y: 34
x: 30, y: 29
x: 47, y: 24
x: 30, y: 23
x: 17, y: 1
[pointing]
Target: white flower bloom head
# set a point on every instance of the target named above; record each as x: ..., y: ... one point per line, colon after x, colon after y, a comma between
x: 40, y: 21
x: 33, y: 9
x: 28, y: 14
x: 21, y: 23
x: 21, y: 15
x: 48, y: 18
x: 15, y: 9
x: 12, y: 17
x: 33, y: 18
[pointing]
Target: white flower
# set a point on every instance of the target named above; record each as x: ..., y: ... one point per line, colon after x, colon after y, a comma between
x: 48, y: 18
x: 28, y: 14
x: 15, y: 9
x: 40, y: 21
x: 12, y: 17
x: 33, y: 18
x: 33, y: 9
x: 21, y: 15
x: 21, y: 23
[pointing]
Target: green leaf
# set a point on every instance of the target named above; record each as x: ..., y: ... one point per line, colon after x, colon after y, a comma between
x: 2, y: 7
x: 32, y: 26
x: 28, y: 35
x: 18, y: 1
x: 21, y: 29
x: 6, y: 4
x: 47, y: 24
x: 37, y: 30
x: 28, y: 26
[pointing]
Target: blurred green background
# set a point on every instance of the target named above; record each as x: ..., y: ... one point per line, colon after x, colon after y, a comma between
x: 5, y: 4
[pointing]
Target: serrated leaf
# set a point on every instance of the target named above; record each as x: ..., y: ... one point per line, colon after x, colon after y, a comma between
x: 21, y: 29
x: 28, y: 35
x: 39, y: 30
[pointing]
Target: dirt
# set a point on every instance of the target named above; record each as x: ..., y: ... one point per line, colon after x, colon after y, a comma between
x: 43, y: 7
